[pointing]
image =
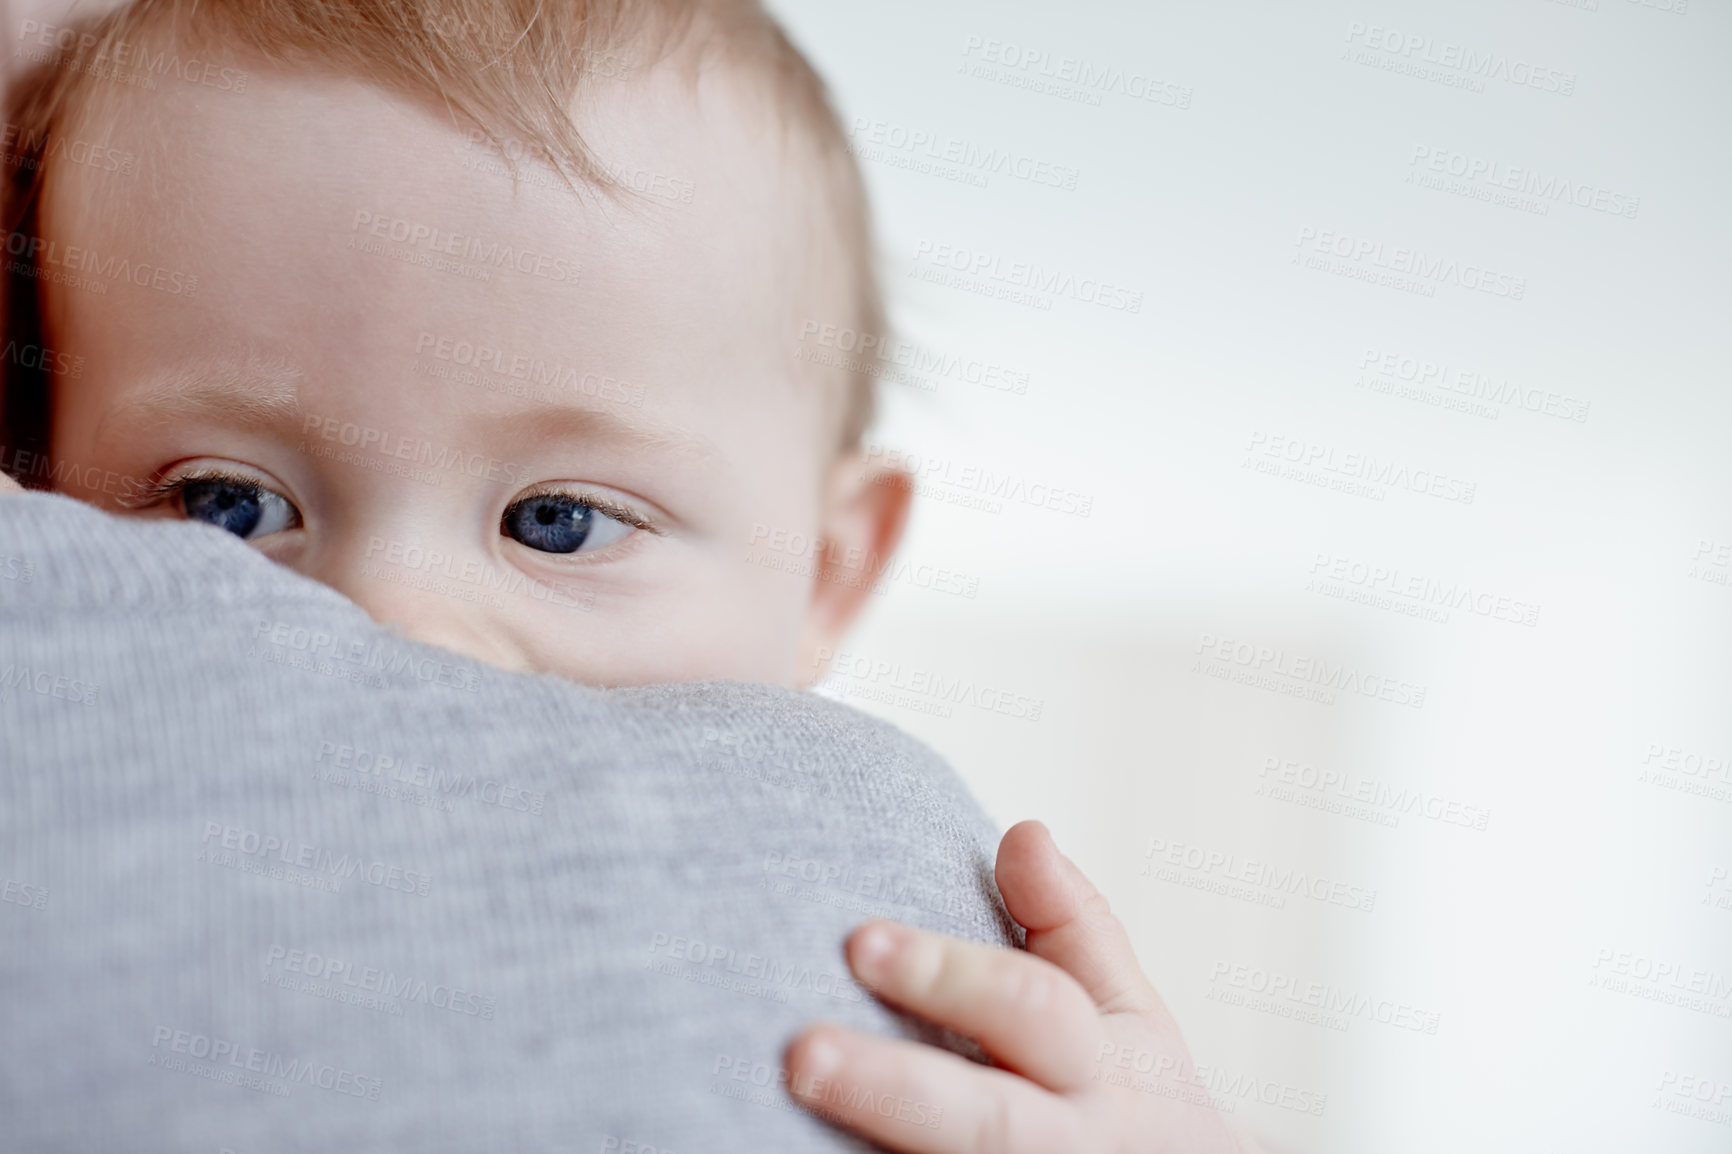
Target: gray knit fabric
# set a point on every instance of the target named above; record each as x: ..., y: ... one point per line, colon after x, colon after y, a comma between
x: 277, y: 879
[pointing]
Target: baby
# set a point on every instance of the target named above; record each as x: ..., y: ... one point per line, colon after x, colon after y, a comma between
x: 486, y: 313
x: 533, y: 417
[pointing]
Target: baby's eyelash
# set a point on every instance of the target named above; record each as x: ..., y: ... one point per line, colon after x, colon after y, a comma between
x: 159, y: 488
x: 594, y: 500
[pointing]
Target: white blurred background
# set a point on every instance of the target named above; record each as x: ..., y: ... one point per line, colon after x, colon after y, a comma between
x: 1291, y: 467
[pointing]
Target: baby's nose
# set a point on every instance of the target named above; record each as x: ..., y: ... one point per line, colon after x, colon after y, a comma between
x: 418, y: 610
x: 448, y: 628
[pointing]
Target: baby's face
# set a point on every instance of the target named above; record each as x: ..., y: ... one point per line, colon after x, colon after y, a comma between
x: 540, y: 430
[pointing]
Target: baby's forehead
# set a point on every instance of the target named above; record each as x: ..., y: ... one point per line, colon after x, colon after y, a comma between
x: 655, y: 137
x: 365, y: 238
x: 712, y: 210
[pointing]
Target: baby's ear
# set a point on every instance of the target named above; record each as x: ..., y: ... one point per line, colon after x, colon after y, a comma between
x: 865, y: 508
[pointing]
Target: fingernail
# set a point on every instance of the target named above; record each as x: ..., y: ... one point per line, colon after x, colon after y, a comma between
x: 874, y: 946
x: 1070, y: 867
x: 820, y: 1058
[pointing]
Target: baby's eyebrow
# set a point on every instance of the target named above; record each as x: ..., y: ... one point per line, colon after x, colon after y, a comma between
x: 260, y: 393
x: 581, y: 423
x: 256, y: 393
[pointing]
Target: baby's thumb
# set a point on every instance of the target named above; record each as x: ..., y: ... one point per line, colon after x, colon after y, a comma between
x: 1069, y: 922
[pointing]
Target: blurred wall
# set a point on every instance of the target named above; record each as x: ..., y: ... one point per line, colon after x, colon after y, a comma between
x: 1321, y: 414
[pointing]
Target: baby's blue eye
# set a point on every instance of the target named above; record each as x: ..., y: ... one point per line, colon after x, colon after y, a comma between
x: 556, y: 523
x: 241, y: 507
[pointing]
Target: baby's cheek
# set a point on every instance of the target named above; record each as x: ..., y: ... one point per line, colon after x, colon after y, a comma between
x: 746, y: 623
x: 690, y: 619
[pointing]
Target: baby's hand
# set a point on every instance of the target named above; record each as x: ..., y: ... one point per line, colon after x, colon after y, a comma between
x: 1088, y: 1059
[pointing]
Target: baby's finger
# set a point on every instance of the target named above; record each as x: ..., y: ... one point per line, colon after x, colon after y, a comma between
x: 1069, y: 922
x: 1028, y: 1014
x: 921, y: 1100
